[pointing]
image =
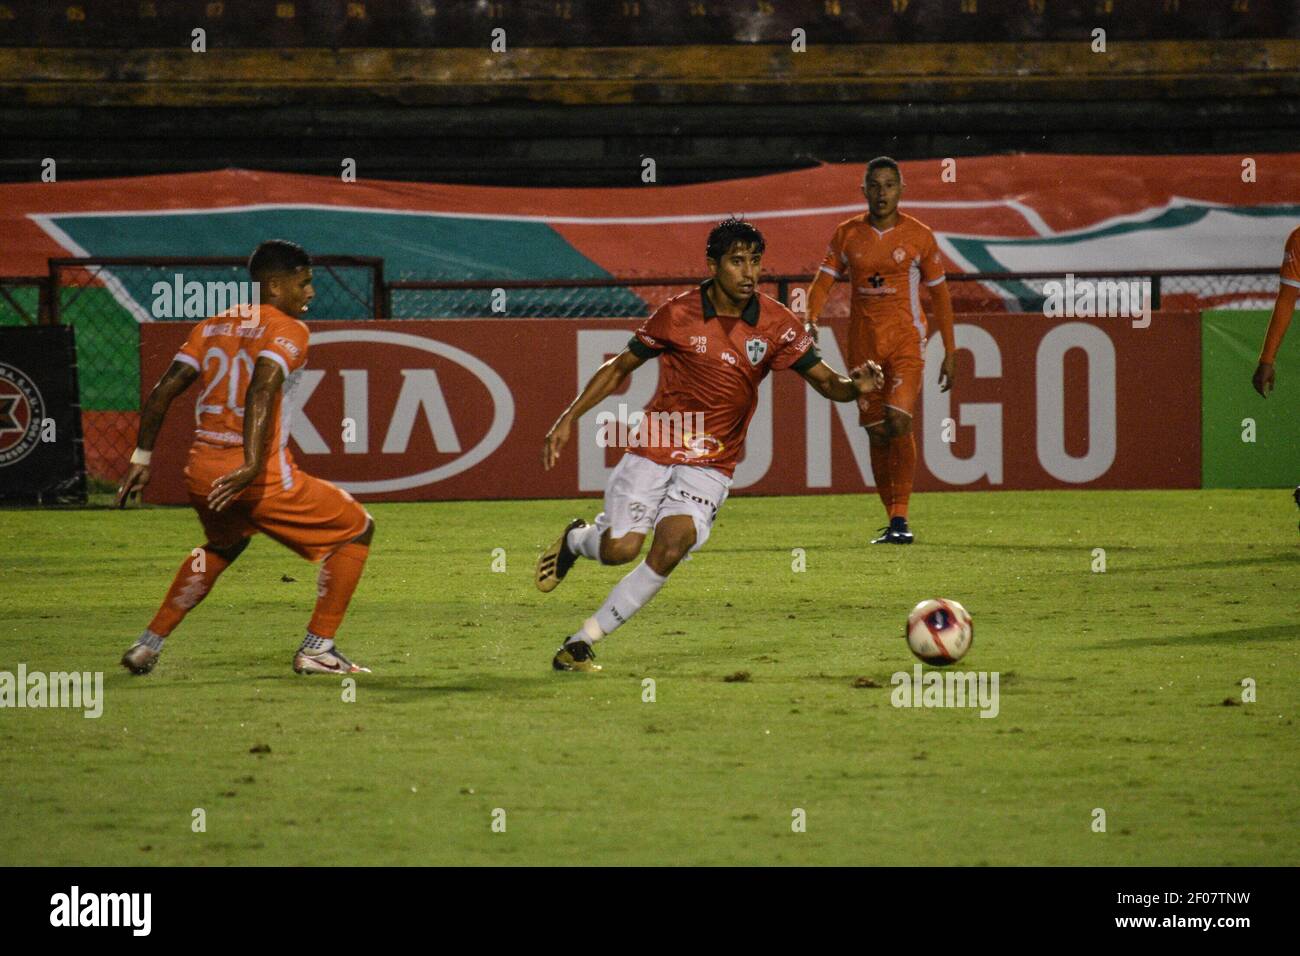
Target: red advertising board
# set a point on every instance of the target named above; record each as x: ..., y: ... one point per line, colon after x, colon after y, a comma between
x: 457, y: 409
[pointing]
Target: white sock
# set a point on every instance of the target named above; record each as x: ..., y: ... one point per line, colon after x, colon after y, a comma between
x: 586, y: 540
x: 152, y: 641
x: 314, y: 644
x: 628, y: 596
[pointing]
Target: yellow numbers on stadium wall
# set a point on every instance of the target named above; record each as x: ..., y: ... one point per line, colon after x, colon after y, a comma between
x: 1171, y: 6
x: 1104, y: 7
x: 1038, y: 7
x: 428, y: 9
x: 148, y: 10
x: 356, y: 11
x: 764, y: 8
x: 215, y: 10
x: 285, y: 11
x: 496, y: 10
x: 631, y: 8
x: 564, y: 11
x: 970, y: 6
x: 5, y: 13
x: 76, y: 14
x: 832, y: 7
x: 1241, y: 6
x: 900, y: 6
x: 698, y: 10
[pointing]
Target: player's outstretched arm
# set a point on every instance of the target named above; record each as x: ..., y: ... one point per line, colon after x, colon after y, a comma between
x: 607, y: 380
x: 864, y: 379
x: 818, y: 293
x: 261, y: 397
x: 175, y: 380
x: 1277, y: 326
x: 941, y: 302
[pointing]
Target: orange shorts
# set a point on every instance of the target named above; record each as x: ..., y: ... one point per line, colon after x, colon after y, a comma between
x: 900, y: 350
x: 312, y: 517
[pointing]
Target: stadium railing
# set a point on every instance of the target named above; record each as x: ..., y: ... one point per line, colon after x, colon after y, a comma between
x: 25, y: 300
x: 106, y: 299
x: 971, y: 292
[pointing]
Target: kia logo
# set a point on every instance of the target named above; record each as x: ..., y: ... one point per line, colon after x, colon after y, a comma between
x: 420, y: 390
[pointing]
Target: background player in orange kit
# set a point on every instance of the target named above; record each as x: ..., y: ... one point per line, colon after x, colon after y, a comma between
x: 715, y: 344
x: 1278, y: 322
x: 886, y: 256
x: 1282, y: 310
x: 240, y: 474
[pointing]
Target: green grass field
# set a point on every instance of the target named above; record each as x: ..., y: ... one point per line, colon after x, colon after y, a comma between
x: 1113, y: 690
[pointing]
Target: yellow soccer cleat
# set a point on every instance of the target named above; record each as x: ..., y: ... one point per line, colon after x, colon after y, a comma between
x: 556, y: 560
x: 577, y: 656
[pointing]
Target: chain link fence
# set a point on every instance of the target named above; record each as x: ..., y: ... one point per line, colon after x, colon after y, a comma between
x: 971, y: 292
x: 106, y: 299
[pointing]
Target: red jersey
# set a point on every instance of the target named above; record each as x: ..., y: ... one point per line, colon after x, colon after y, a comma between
x: 710, y: 369
x: 224, y: 349
x: 885, y: 270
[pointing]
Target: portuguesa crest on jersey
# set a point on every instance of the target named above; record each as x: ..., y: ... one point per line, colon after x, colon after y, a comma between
x: 755, y: 349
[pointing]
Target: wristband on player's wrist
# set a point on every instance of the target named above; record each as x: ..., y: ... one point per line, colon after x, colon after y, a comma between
x: 141, y: 457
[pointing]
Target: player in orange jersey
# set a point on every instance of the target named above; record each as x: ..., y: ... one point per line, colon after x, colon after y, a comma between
x: 886, y: 256
x: 240, y: 474
x: 1281, y: 318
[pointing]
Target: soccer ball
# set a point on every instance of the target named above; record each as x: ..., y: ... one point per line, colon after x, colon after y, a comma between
x: 939, y: 631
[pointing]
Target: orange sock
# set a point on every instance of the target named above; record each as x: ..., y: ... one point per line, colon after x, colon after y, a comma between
x: 339, y: 574
x: 197, y: 574
x: 880, y: 467
x: 902, y: 471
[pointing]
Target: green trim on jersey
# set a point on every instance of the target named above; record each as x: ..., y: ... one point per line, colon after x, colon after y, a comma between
x: 807, y: 360
x: 749, y: 315
x: 641, y: 350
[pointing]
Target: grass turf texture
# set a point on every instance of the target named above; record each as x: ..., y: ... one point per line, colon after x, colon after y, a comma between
x: 1113, y: 690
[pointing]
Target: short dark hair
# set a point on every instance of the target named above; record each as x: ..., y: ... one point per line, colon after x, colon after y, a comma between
x: 883, y: 162
x: 729, y: 232
x: 276, y: 256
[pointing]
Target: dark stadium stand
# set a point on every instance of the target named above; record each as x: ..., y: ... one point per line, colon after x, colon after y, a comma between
x: 584, y: 90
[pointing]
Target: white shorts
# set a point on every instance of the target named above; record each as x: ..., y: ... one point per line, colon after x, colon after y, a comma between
x: 641, y: 493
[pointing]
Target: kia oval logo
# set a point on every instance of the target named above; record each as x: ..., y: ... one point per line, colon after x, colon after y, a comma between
x: 418, y: 390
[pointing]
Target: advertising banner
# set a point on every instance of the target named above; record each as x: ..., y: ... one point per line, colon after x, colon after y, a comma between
x: 1248, y: 441
x: 40, y: 418
x: 457, y: 409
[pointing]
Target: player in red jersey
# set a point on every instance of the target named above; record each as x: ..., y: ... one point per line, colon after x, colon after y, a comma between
x: 886, y: 256
x: 240, y: 474
x: 1282, y: 311
x: 715, y: 345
